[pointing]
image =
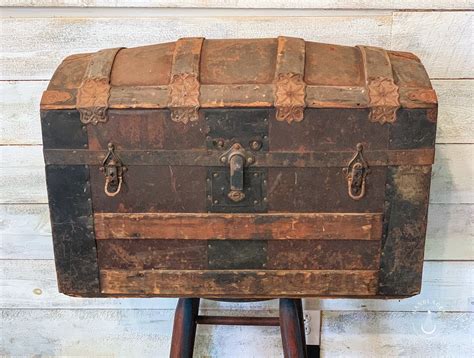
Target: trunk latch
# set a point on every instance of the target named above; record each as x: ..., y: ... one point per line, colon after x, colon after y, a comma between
x: 237, y: 158
x: 356, y: 173
x: 113, y: 169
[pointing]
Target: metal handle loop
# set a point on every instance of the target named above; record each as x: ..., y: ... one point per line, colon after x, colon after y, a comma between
x: 106, y: 187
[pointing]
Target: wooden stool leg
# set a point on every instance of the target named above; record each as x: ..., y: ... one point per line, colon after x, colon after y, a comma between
x: 184, y: 328
x: 299, y: 307
x: 292, y: 333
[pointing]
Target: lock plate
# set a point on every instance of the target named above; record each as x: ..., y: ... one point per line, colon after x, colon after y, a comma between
x: 255, y: 190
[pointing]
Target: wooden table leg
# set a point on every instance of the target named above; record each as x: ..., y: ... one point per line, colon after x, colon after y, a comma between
x: 292, y: 331
x: 184, y: 328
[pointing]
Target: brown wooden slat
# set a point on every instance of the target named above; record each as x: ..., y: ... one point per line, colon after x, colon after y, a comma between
x: 239, y: 95
x: 152, y: 254
x: 323, y: 255
x: 238, y: 226
x: 238, y: 283
x: 136, y: 254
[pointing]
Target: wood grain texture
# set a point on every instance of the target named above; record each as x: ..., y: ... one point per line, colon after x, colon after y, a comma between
x: 26, y: 232
x: 396, y: 334
x: 19, y: 111
x: 248, y: 4
x: 31, y: 284
x: 238, y: 283
x: 239, y: 226
x: 24, y: 181
x: 31, y: 59
x: 445, y: 49
x: 124, y: 333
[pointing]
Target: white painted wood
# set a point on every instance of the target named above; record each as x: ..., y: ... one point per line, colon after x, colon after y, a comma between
x: 29, y: 284
x: 455, y: 111
x: 442, y: 40
x: 124, y: 333
x: 36, y: 57
x: 396, y: 334
x: 452, y: 178
x: 265, y: 4
x: 445, y: 50
x: 450, y: 233
x: 20, y: 123
x: 19, y: 112
x: 25, y: 232
x: 23, y: 181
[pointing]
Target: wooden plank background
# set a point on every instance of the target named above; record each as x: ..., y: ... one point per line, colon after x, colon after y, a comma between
x: 36, y: 34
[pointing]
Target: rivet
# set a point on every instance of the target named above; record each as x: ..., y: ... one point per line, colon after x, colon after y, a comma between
x: 215, y: 175
x: 223, y: 159
x: 37, y: 291
x: 265, y: 199
x: 255, y: 174
x: 216, y: 201
x: 250, y: 160
x: 255, y: 201
x: 208, y: 179
x: 255, y: 145
x: 84, y: 128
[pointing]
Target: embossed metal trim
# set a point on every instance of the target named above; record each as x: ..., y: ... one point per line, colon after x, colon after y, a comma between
x: 93, y: 98
x: 184, y: 86
x: 93, y: 95
x: 290, y: 88
x: 290, y: 97
x: 384, y: 100
x: 184, y: 97
x: 384, y: 94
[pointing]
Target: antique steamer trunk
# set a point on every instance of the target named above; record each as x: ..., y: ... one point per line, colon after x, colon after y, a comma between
x: 239, y: 169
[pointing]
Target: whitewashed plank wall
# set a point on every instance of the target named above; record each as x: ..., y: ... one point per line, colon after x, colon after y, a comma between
x: 36, y: 320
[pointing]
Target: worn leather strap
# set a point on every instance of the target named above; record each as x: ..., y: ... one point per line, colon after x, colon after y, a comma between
x: 92, y: 99
x: 384, y: 95
x: 290, y: 88
x: 184, y: 86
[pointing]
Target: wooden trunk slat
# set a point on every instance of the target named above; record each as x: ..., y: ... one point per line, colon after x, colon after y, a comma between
x: 135, y: 254
x: 285, y: 226
x: 239, y: 283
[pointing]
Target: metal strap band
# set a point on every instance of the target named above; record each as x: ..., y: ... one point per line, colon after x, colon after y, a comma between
x: 384, y: 95
x: 290, y: 89
x: 184, y: 85
x: 93, y: 95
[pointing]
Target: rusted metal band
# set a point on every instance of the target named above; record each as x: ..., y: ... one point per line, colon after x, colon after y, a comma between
x: 92, y: 99
x: 290, y: 88
x: 384, y: 96
x: 184, y: 85
x: 212, y: 158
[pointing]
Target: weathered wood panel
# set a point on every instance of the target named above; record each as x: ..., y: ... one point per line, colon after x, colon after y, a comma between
x: 248, y: 4
x: 239, y: 226
x: 396, y: 334
x: 26, y: 232
x: 23, y: 182
x: 455, y: 111
x: 30, y: 57
x: 443, y: 40
x: 239, y: 283
x: 31, y: 284
x: 125, y: 333
x: 19, y: 111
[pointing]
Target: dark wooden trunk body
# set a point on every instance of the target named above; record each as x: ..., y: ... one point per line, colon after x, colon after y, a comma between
x: 173, y: 232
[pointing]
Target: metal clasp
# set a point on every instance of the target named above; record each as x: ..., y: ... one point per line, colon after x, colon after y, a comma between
x: 113, y: 169
x: 356, y: 173
x: 237, y: 158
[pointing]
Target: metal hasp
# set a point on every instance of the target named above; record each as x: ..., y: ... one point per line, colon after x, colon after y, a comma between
x: 356, y: 173
x: 113, y: 169
x: 237, y: 158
